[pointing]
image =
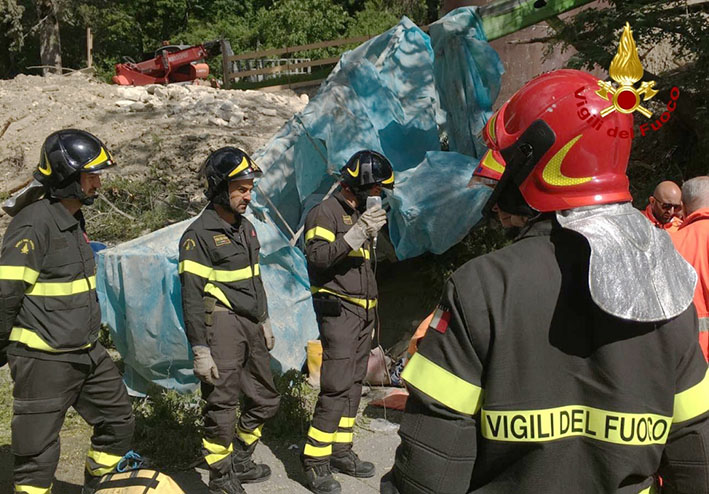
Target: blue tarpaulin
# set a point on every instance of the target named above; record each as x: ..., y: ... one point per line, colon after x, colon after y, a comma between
x: 397, y: 94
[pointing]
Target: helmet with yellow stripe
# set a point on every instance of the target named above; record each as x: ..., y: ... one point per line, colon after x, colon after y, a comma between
x: 226, y: 165
x: 65, y: 154
x: 489, y: 170
x: 367, y: 168
x: 559, y: 150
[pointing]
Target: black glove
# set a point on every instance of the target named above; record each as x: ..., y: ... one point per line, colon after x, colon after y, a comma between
x: 3, y: 358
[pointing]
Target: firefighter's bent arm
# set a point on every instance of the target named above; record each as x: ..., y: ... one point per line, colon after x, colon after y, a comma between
x: 322, y: 249
x: 685, y: 460
x: 438, y: 432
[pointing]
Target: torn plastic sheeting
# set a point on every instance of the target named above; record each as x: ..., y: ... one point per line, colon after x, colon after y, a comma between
x: 140, y: 295
x: 431, y: 207
x: 383, y: 96
x: 380, y: 96
x: 466, y: 95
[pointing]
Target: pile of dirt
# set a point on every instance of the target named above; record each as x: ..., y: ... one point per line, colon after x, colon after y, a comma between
x: 171, y: 128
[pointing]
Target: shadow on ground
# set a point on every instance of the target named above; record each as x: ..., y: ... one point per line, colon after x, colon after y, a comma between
x: 6, y: 462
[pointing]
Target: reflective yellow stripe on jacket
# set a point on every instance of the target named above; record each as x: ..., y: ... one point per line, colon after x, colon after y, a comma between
x: 31, y: 339
x: 362, y: 302
x: 62, y: 289
x: 220, y: 275
x: 692, y: 402
x: 19, y: 273
x: 321, y: 232
x: 442, y: 385
x: 361, y: 252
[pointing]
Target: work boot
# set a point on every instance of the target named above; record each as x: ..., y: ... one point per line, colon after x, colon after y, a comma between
x: 320, y: 480
x: 350, y: 464
x: 225, y: 484
x: 90, y: 483
x: 245, y: 469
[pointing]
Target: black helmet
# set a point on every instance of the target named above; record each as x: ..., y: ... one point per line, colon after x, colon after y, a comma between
x: 65, y: 154
x: 367, y: 168
x: 226, y: 165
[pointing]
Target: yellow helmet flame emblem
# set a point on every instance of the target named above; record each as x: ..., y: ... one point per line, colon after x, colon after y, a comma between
x: 626, y: 69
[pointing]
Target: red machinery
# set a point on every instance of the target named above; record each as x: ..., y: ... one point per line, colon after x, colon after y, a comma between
x: 174, y: 63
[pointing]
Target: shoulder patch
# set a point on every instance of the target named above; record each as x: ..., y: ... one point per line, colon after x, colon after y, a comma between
x: 188, y: 244
x: 347, y: 219
x: 221, y: 239
x: 441, y: 319
x: 253, y: 232
x: 25, y: 245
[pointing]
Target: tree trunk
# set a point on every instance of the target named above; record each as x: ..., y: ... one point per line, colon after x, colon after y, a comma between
x: 50, y: 47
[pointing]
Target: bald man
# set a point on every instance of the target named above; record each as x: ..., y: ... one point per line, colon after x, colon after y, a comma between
x: 665, y: 206
x: 692, y: 241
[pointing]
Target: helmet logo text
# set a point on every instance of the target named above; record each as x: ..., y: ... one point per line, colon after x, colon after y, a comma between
x: 552, y: 173
x: 626, y: 69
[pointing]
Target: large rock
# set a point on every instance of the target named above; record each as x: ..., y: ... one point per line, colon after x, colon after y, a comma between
x: 132, y: 93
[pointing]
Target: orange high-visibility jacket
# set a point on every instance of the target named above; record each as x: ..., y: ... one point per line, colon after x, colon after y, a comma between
x: 692, y: 241
x: 671, y: 226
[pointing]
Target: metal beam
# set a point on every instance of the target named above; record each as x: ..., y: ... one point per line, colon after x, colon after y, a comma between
x: 503, y: 17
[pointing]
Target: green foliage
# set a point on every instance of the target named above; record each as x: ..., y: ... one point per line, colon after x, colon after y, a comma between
x: 168, y: 428
x: 5, y: 407
x: 375, y: 18
x: 136, y: 28
x: 169, y: 425
x: 487, y: 237
x: 153, y: 203
x: 297, y: 404
x: 681, y: 32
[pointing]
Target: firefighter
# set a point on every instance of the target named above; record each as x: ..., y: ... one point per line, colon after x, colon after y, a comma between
x: 568, y: 361
x: 50, y: 319
x: 226, y: 319
x: 338, y: 248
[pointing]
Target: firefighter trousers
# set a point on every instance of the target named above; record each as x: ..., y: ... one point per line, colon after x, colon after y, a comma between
x: 239, y: 350
x: 346, y: 341
x: 43, y: 392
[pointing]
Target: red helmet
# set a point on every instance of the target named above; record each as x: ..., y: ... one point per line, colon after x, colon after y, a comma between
x: 558, y: 150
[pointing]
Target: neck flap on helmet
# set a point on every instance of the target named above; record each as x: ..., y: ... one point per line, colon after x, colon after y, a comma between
x: 634, y: 271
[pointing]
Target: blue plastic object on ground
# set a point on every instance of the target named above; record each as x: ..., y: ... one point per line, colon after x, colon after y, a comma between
x: 389, y: 94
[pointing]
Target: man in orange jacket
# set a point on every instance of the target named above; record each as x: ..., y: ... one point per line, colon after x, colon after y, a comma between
x: 692, y: 241
x: 665, y: 206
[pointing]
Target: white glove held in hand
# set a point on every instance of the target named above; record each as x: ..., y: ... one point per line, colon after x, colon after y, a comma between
x: 367, y: 226
x: 204, y: 367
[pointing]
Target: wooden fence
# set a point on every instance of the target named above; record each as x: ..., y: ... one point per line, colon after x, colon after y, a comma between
x: 500, y: 18
x: 228, y: 59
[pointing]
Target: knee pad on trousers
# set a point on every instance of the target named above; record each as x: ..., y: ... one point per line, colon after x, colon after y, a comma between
x: 122, y: 433
x: 36, y: 425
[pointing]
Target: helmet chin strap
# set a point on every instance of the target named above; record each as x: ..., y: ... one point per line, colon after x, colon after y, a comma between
x: 361, y: 197
x: 221, y: 197
x: 72, y: 190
